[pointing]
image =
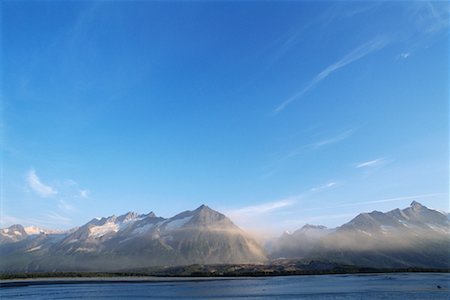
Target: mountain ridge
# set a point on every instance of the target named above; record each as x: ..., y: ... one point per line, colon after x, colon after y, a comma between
x: 202, y: 236
x: 414, y: 236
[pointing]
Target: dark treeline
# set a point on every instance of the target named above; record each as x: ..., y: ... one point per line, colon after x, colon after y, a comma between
x: 278, y: 269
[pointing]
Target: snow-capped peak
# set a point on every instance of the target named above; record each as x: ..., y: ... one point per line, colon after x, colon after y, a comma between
x: 128, y: 217
x: 113, y: 224
x: 32, y: 230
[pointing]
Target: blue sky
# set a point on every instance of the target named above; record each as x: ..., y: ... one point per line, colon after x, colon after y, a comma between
x: 277, y: 114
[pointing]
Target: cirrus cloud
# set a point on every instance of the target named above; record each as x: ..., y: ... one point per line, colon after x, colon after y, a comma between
x: 37, y: 186
x: 371, y: 163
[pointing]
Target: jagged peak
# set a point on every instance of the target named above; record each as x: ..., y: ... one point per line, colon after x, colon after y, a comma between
x: 150, y: 215
x: 128, y: 216
x: 110, y: 219
x: 204, y: 215
x: 131, y: 214
x: 203, y: 207
x: 14, y: 227
x: 363, y: 215
x: 310, y: 226
x: 205, y: 210
x: 416, y: 205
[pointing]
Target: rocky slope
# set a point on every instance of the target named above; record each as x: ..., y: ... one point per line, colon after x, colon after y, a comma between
x: 202, y: 236
x: 412, y: 237
x: 415, y: 236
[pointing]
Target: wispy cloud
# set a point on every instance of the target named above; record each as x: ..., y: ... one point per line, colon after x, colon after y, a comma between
x: 55, y: 218
x: 64, y: 195
x: 432, y: 17
x: 259, y: 219
x: 70, y: 182
x: 421, y: 196
x: 277, y: 163
x: 426, y: 21
x: 265, y: 208
x: 349, y: 204
x: 45, y: 220
x: 358, y: 53
x: 35, y: 183
x: 405, y: 55
x: 316, y: 219
x: 84, y: 193
x: 7, y: 220
x: 65, y: 206
x: 332, y: 140
x: 344, y: 10
x: 371, y: 163
x: 71, y: 189
x: 324, y: 186
x: 322, y: 143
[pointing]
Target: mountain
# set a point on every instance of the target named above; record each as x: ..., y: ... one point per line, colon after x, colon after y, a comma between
x: 12, y: 234
x: 31, y: 230
x: 202, y: 236
x: 415, y: 236
x: 300, y: 242
x: 412, y: 237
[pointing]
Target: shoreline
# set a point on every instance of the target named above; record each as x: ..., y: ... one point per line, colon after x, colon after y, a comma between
x: 22, y: 282
x: 8, y: 283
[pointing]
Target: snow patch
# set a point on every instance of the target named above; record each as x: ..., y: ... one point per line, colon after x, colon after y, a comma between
x: 84, y: 250
x: 34, y: 230
x: 112, y: 226
x: 127, y: 222
x: 11, y: 236
x: 33, y: 249
x: 404, y: 223
x: 365, y: 232
x: 175, y: 224
x: 123, y: 241
x: 143, y: 229
x: 99, y: 231
x: 439, y: 228
x: 387, y: 229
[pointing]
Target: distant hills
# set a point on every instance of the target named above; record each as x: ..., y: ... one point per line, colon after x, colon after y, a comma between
x: 413, y: 237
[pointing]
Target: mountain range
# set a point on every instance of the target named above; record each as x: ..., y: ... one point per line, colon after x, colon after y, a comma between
x: 202, y: 236
x: 413, y: 237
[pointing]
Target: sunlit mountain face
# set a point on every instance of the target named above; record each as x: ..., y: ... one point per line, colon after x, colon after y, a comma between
x: 201, y: 236
x: 412, y: 237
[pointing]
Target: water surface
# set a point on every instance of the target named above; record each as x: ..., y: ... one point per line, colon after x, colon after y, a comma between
x: 366, y: 286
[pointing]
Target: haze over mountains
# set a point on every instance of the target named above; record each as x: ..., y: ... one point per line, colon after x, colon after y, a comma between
x: 201, y: 236
x: 413, y: 237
